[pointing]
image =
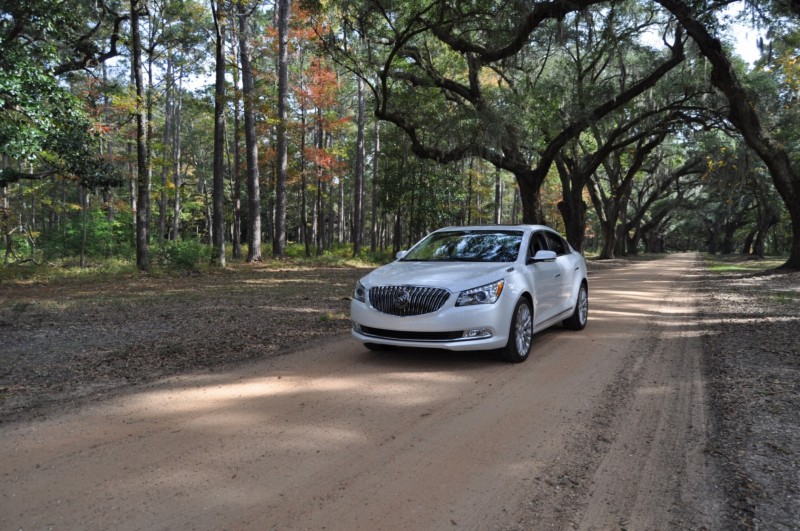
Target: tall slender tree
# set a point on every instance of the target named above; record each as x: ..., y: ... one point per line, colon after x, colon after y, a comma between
x: 279, y: 240
x: 373, y: 230
x: 143, y: 175
x: 358, y: 185
x: 236, y: 199
x: 218, y: 196
x: 251, y: 141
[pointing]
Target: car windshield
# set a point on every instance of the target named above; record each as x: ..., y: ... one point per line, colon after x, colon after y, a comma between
x: 468, y: 246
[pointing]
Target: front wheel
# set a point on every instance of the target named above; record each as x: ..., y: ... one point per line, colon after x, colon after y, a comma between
x: 577, y: 321
x: 520, y: 334
x: 377, y: 347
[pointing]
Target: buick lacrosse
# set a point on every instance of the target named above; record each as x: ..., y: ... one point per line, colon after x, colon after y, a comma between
x: 474, y: 288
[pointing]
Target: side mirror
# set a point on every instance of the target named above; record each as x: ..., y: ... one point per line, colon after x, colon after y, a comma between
x: 400, y: 254
x: 543, y: 256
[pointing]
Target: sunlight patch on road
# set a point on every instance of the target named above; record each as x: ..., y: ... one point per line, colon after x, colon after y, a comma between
x: 400, y: 389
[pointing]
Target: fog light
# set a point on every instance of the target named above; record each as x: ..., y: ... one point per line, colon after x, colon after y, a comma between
x: 477, y: 333
x: 357, y: 327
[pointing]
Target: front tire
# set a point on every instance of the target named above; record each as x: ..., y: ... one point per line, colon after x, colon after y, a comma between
x: 377, y: 347
x: 577, y: 321
x: 520, y: 334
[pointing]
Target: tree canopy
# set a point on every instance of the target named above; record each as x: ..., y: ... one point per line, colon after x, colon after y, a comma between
x: 630, y: 125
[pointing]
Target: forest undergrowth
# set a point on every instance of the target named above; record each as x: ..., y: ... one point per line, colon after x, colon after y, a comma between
x: 71, y: 339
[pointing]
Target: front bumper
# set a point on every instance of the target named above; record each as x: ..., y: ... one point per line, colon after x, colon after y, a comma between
x: 466, y: 328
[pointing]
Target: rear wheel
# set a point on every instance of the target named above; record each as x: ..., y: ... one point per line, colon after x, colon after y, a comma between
x: 520, y: 334
x: 577, y: 321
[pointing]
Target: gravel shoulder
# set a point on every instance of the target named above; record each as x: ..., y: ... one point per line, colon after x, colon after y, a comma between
x: 751, y: 342
x: 677, y: 408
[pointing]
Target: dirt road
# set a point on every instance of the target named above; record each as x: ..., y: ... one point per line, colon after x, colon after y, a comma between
x: 599, y: 429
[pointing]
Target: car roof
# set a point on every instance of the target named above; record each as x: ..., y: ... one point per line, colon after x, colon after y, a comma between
x: 525, y: 228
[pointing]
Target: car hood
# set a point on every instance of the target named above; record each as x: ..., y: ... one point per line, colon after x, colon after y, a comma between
x: 454, y: 276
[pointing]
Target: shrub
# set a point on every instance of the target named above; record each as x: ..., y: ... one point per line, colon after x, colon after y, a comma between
x: 104, y: 238
x: 182, y: 254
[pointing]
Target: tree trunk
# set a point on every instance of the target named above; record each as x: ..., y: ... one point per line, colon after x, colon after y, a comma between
x: 236, y: 241
x: 149, y: 142
x: 373, y: 229
x: 767, y: 221
x: 305, y: 231
x: 358, y: 188
x: 218, y: 196
x: 498, y: 197
x: 168, y: 115
x: 142, y: 180
x: 747, y: 246
x: 319, y: 206
x: 572, y: 207
x: 341, y: 213
x: 83, y: 197
x: 176, y: 164
x: 251, y: 143
x: 279, y: 241
x: 108, y: 193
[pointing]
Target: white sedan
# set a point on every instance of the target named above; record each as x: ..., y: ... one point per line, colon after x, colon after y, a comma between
x: 474, y: 288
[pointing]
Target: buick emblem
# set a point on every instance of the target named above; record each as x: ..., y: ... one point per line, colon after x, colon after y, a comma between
x: 402, y: 298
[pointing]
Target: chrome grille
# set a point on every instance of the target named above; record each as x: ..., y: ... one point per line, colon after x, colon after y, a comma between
x: 407, y: 300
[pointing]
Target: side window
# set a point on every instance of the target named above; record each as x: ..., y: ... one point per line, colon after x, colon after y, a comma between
x: 538, y: 243
x: 556, y: 243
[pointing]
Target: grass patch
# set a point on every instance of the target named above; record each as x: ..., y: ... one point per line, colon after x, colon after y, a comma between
x: 741, y: 264
x: 784, y: 297
x: 178, y: 259
x: 65, y: 270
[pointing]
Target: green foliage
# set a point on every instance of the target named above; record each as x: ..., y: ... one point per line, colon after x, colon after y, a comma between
x: 43, y: 127
x: 104, y: 238
x: 182, y: 254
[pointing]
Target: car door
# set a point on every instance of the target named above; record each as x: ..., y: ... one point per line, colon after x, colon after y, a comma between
x: 545, y: 277
x: 566, y: 265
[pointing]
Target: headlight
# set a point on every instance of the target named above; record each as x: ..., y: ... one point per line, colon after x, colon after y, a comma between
x: 487, y: 294
x: 360, y: 293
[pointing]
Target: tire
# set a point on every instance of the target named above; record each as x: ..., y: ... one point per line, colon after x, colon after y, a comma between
x: 375, y: 347
x: 520, y: 334
x: 577, y: 321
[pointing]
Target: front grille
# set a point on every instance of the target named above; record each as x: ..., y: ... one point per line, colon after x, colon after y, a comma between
x: 411, y: 336
x: 407, y: 300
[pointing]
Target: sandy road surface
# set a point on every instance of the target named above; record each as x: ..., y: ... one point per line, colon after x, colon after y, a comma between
x: 599, y: 429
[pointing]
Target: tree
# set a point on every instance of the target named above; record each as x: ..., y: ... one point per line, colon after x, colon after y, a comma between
x: 142, y: 159
x: 657, y: 197
x: 595, y: 50
x: 744, y: 116
x: 44, y: 130
x: 279, y: 241
x: 358, y: 185
x: 218, y: 230
x: 251, y: 142
x: 461, y: 92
